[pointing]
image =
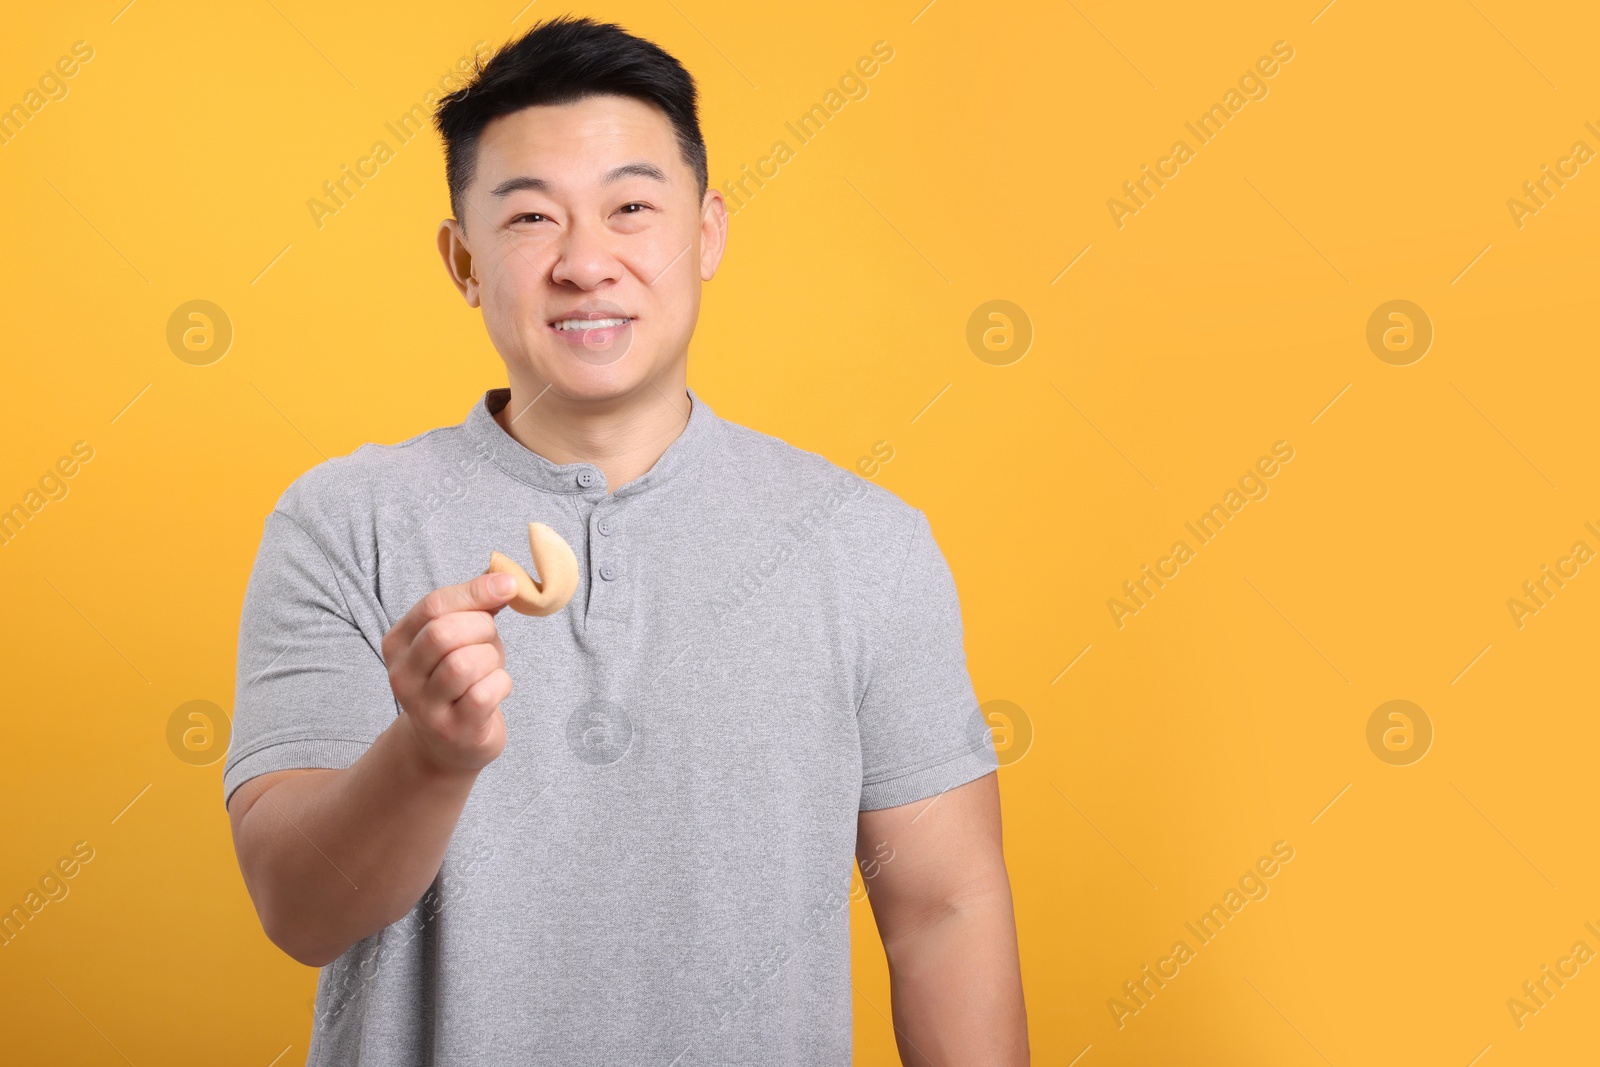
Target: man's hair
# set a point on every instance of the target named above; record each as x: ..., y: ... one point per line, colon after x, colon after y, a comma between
x: 561, y: 61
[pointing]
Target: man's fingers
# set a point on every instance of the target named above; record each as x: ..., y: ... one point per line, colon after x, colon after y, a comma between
x: 482, y: 593
x: 459, y: 671
x: 442, y: 636
x: 484, y: 696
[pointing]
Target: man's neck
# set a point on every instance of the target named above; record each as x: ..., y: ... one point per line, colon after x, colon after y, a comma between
x: 623, y: 436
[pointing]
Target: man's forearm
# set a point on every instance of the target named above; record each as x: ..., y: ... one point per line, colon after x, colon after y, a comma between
x: 956, y: 989
x: 334, y: 856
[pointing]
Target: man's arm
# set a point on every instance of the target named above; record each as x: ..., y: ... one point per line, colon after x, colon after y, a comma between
x: 332, y: 856
x: 943, y: 908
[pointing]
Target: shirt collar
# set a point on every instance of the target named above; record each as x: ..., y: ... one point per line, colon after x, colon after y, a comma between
x: 527, y: 466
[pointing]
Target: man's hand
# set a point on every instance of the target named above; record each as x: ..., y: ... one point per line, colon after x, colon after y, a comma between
x: 447, y: 669
x: 334, y: 856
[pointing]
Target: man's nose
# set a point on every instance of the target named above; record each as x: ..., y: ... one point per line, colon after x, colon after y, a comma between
x: 584, y: 255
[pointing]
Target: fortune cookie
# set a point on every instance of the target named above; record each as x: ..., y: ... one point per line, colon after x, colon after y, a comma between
x: 557, y: 566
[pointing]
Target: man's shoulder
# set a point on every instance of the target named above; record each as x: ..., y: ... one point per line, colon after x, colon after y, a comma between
x: 358, y: 482
x: 793, y: 477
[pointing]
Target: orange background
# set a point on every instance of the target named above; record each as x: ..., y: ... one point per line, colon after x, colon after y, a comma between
x: 1230, y: 312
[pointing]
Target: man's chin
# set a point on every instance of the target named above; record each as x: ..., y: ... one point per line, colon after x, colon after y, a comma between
x: 579, y: 380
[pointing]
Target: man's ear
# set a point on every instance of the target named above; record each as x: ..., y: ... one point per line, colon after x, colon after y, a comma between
x: 457, y: 258
x: 713, y: 233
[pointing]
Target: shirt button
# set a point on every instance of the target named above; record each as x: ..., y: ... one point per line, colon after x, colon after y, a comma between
x: 586, y: 478
x: 605, y: 526
x: 607, y: 571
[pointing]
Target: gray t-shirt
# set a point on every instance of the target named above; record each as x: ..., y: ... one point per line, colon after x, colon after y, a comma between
x: 657, y: 869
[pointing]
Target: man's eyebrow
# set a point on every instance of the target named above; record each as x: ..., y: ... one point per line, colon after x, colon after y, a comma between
x: 639, y: 169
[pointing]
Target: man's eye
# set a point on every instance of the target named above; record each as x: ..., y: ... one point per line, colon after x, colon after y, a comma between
x: 528, y: 215
x: 636, y: 204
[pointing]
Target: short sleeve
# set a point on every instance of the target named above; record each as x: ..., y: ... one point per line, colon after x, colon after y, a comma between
x: 312, y: 689
x: 921, y: 730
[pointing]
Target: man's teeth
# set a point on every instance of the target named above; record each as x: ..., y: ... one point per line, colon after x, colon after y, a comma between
x: 588, y: 324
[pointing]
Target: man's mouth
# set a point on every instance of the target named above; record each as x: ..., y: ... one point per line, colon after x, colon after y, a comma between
x: 599, y: 333
x: 598, y: 322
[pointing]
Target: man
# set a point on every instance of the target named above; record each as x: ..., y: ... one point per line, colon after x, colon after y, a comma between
x: 640, y: 853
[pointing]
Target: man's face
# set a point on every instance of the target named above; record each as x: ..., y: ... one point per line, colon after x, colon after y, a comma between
x: 556, y: 232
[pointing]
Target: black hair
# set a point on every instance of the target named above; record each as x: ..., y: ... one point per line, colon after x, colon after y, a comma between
x: 561, y: 61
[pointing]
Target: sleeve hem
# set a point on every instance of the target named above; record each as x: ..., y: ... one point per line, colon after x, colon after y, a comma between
x: 333, y: 753
x: 919, y: 784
